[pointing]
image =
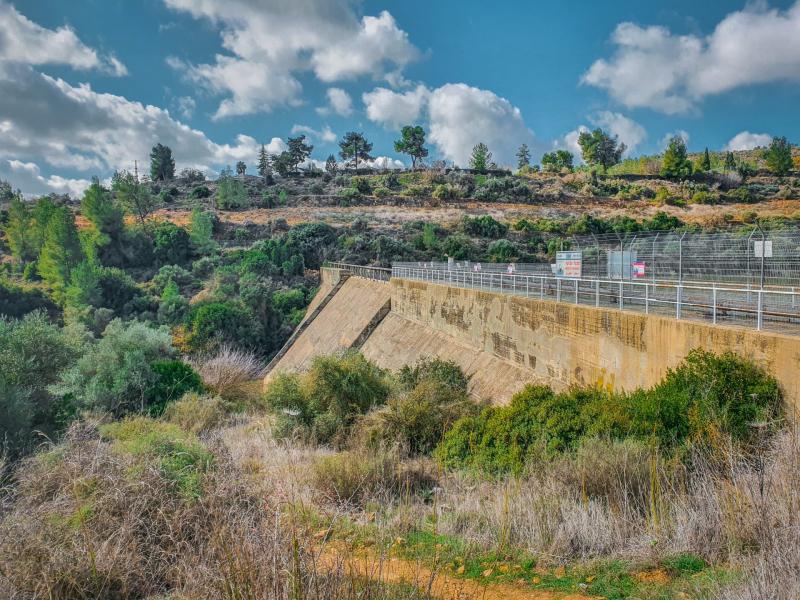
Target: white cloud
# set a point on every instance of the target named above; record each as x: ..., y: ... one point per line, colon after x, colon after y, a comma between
x: 385, y: 163
x: 395, y: 109
x: 325, y: 135
x: 684, y: 135
x: 461, y: 116
x: 629, y: 131
x: 24, y: 42
x: 745, y: 140
x: 339, y: 102
x: 27, y: 176
x: 77, y: 128
x: 654, y: 68
x: 186, y: 106
x: 271, y: 42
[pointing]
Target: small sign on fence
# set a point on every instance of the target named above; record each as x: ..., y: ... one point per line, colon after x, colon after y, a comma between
x: 637, y: 269
x: 569, y: 264
x: 762, y: 248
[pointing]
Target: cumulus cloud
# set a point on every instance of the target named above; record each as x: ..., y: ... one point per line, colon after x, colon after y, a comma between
x: 24, y: 42
x: 629, y: 131
x: 570, y: 142
x: 395, y: 109
x: 339, y: 102
x: 385, y: 163
x: 75, y: 127
x: 324, y: 135
x: 654, y: 68
x: 28, y: 177
x: 325, y: 37
x: 462, y: 116
x: 186, y: 106
x: 745, y: 140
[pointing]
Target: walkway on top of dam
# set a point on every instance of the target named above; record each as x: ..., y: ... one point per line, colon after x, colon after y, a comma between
x: 771, y: 308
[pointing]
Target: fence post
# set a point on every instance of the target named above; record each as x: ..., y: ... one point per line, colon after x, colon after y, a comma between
x: 558, y: 290
x: 714, y: 300
x: 621, y: 295
x: 541, y: 288
x: 597, y: 293
x: 646, y: 298
x: 577, y: 282
x: 527, y: 287
x: 678, y: 301
x: 760, y: 319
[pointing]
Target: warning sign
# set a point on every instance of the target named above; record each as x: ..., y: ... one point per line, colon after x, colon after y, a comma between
x: 637, y: 269
x: 569, y: 265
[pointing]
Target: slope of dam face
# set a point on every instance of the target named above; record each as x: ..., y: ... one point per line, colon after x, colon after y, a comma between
x: 397, y: 342
x: 503, y: 342
x: 340, y: 323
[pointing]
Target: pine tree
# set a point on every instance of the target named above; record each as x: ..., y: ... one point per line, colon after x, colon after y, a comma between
x: 18, y: 230
x: 330, y: 165
x: 162, y: 165
x: 600, y: 149
x: 481, y: 158
x: 676, y: 162
x: 523, y: 156
x: 201, y: 231
x: 61, y: 250
x: 354, y: 147
x: 412, y: 143
x: 133, y: 195
x: 298, y: 150
x: 779, y: 156
x: 730, y: 162
x: 264, y: 165
x: 705, y: 163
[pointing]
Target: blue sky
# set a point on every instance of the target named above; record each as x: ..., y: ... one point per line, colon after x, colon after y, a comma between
x: 89, y: 86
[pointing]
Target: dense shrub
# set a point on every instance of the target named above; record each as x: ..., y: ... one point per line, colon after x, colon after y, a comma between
x: 33, y: 353
x: 484, y: 226
x: 705, y: 399
x: 445, y: 372
x: 201, y: 191
x: 172, y: 245
x: 171, y: 380
x: 323, y: 403
x: 214, y: 324
x: 114, y: 373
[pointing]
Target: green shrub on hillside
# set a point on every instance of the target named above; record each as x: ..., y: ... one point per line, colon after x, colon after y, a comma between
x: 484, y: 226
x: 172, y: 379
x: 705, y: 399
x: 323, y: 403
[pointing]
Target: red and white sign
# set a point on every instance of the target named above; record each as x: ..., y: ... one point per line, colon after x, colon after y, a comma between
x: 637, y: 269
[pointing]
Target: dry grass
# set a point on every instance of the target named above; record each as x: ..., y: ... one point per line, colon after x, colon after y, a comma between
x: 228, y: 373
x: 81, y: 526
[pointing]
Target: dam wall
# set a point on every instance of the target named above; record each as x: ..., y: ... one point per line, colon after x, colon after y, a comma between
x: 565, y: 344
x: 504, y: 342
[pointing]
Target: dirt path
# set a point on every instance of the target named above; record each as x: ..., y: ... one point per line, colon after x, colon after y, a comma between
x: 439, y: 584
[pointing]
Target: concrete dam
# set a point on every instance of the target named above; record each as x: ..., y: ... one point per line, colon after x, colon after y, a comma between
x: 505, y: 341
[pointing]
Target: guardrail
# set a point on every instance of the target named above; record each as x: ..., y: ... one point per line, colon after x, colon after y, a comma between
x: 377, y: 273
x: 777, y: 310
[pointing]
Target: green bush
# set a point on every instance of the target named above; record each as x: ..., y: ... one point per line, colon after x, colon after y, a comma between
x: 199, y: 192
x: 115, y: 373
x: 484, y: 226
x: 705, y: 400
x: 16, y: 301
x: 446, y: 372
x: 214, y: 324
x: 171, y: 380
x: 172, y: 245
x: 196, y: 412
x: 323, y: 403
x: 416, y: 421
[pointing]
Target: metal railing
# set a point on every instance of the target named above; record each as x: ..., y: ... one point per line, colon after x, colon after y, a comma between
x: 723, y: 304
x: 377, y: 273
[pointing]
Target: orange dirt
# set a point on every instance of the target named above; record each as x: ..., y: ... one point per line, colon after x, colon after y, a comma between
x: 439, y: 584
